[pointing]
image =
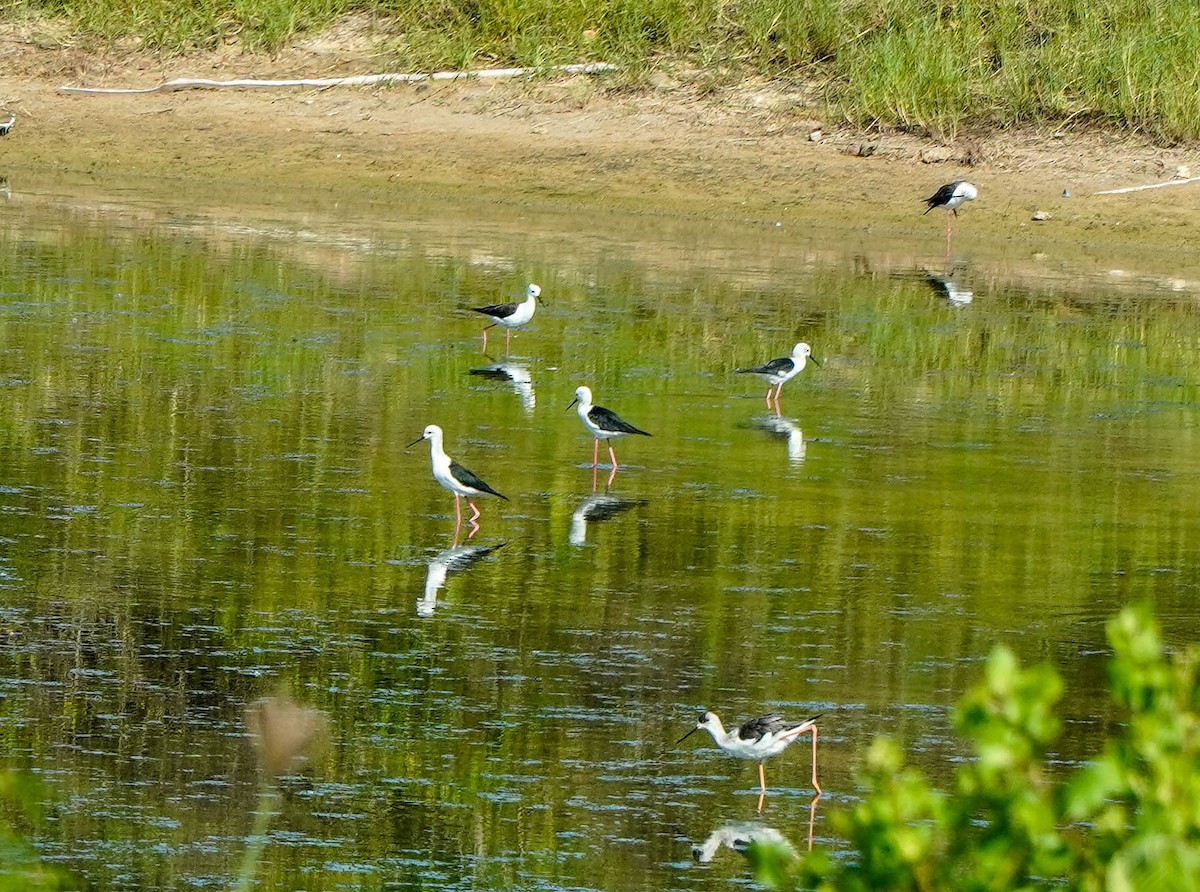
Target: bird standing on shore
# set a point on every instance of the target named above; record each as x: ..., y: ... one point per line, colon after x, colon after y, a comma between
x: 511, y: 315
x: 779, y: 371
x: 603, y: 424
x: 951, y: 197
x: 454, y: 477
x: 759, y: 739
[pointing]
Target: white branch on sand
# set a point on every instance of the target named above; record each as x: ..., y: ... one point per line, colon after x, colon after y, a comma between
x: 1151, y: 186
x: 186, y: 83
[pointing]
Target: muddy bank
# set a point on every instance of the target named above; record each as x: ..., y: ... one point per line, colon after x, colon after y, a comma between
x: 757, y: 152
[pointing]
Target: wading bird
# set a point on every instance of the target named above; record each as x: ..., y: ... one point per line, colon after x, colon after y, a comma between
x: 780, y: 371
x: 603, y: 424
x: 759, y: 739
x: 951, y: 197
x: 511, y: 316
x: 454, y: 477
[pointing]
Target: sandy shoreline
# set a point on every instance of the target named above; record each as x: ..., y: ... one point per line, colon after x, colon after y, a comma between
x: 747, y: 153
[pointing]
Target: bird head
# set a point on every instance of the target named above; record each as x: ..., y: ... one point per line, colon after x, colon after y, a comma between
x: 428, y: 434
x: 708, y: 721
x: 582, y: 395
x: 803, y: 351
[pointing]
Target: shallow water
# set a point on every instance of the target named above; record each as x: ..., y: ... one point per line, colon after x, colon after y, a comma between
x: 205, y: 495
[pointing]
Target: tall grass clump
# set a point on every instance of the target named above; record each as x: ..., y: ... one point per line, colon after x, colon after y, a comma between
x: 931, y: 66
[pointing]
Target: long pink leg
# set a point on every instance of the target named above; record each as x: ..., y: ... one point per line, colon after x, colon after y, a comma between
x: 769, y: 390
x: 593, y: 478
x: 474, y: 519
x: 507, y: 341
x: 762, y: 787
x: 596, y: 452
x: 611, y: 476
x: 457, y: 516
x: 485, y: 331
x: 816, y: 786
x: 948, y: 232
x: 612, y: 455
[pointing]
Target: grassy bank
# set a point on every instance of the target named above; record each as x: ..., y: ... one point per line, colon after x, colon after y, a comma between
x: 935, y: 66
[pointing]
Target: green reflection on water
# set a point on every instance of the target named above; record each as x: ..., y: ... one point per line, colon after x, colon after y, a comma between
x: 205, y: 493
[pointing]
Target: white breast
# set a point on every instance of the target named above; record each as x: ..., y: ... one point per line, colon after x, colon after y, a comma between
x: 523, y: 314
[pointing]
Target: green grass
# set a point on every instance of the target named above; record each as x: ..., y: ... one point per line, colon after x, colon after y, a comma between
x: 932, y: 66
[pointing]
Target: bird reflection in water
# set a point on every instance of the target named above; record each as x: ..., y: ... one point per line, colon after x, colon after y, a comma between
x: 455, y: 559
x: 737, y: 837
x: 945, y: 287
x: 788, y: 430
x: 597, y: 508
x: 515, y: 374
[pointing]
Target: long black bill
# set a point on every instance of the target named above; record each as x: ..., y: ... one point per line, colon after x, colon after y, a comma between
x: 415, y: 442
x: 814, y: 359
x: 573, y: 402
x: 687, y: 735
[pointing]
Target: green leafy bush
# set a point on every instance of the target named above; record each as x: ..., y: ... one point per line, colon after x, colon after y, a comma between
x: 1130, y: 820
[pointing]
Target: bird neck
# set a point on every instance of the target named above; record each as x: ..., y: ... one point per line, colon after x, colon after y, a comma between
x: 716, y: 729
x: 437, y: 453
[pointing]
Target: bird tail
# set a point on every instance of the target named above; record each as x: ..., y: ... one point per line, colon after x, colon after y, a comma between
x: 490, y: 491
x: 807, y: 722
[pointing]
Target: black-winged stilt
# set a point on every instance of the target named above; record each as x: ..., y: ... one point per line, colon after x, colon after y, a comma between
x: 512, y: 315
x: 604, y: 424
x: 780, y: 371
x: 758, y: 740
x: 454, y: 477
x: 951, y: 197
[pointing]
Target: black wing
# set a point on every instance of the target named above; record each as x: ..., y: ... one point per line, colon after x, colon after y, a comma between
x: 774, y: 367
x: 497, y: 311
x: 469, y: 478
x: 756, y: 729
x: 773, y: 723
x: 941, y: 196
x: 608, y: 420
